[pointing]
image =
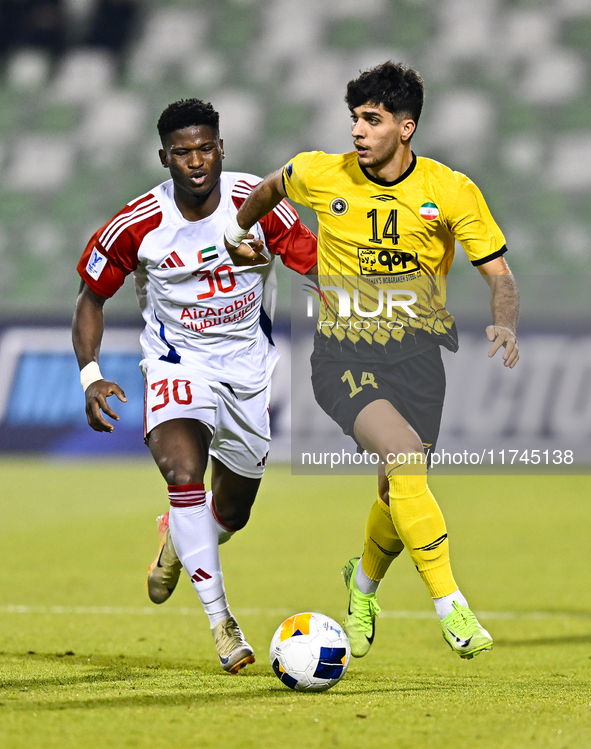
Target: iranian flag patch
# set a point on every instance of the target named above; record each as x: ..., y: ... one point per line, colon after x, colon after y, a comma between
x: 429, y: 211
x: 209, y: 253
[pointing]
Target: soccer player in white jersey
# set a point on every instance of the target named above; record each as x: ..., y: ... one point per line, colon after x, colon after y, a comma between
x: 208, y: 353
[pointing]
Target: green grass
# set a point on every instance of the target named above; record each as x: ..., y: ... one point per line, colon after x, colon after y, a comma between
x: 88, y: 661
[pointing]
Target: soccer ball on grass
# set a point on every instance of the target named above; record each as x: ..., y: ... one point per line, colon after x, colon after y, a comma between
x: 310, y: 652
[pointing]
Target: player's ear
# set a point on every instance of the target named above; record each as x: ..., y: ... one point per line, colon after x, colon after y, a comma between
x: 163, y: 157
x: 407, y: 128
x: 222, y: 149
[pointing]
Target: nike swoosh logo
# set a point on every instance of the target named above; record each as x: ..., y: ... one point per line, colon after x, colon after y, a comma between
x: 373, y: 626
x: 170, y: 590
x: 461, y: 643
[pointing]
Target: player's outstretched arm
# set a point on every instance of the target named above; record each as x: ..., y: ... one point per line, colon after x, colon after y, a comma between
x: 504, y: 304
x: 265, y: 196
x: 87, y: 334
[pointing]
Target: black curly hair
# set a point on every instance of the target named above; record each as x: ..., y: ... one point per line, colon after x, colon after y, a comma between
x: 395, y: 85
x: 187, y: 113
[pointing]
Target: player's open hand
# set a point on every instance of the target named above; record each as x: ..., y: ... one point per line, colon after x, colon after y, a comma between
x: 248, y: 252
x: 500, y: 336
x: 96, y: 401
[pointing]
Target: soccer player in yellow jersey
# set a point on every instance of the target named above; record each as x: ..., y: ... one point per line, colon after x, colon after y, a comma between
x: 386, y: 218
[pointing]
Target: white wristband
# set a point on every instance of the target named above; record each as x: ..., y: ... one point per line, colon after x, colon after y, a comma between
x: 234, y: 233
x: 89, y: 374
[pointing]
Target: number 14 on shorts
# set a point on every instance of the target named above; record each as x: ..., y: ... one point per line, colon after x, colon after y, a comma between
x: 367, y: 378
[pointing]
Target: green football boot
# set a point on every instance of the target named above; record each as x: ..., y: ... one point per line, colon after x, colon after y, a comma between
x: 464, y: 634
x: 360, y: 622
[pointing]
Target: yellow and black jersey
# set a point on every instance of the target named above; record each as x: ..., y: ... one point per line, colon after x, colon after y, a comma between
x: 377, y: 237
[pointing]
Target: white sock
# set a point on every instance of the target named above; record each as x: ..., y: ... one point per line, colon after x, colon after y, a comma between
x: 195, y: 538
x: 363, y: 582
x: 224, y: 534
x: 444, y: 605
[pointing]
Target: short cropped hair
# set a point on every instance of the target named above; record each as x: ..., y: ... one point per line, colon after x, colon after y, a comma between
x: 395, y: 85
x: 187, y: 113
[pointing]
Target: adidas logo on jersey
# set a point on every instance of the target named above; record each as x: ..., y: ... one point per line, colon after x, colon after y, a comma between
x: 173, y: 261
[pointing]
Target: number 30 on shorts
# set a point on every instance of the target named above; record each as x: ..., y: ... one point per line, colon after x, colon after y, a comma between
x: 367, y: 378
x: 181, y: 393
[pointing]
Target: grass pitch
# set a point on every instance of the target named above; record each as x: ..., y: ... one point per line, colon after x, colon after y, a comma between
x: 87, y: 660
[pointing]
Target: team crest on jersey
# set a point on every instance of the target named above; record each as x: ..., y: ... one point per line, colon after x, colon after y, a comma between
x: 95, y: 264
x: 429, y: 211
x: 339, y: 206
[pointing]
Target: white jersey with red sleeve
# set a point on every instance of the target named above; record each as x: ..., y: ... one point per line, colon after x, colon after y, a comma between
x: 198, y: 307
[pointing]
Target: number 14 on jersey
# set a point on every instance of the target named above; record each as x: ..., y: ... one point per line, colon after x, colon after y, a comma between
x: 390, y: 230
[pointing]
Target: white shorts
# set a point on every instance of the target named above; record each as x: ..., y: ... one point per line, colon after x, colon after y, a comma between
x: 239, y: 425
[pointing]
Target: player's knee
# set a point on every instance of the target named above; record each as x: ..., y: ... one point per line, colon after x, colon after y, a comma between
x: 402, y: 446
x: 180, y: 474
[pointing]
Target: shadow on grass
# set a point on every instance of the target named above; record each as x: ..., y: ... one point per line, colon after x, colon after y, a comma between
x: 89, y: 669
x: 123, y: 682
x: 198, y: 698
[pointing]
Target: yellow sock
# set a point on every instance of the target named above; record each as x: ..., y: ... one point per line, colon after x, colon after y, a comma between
x: 382, y: 543
x: 420, y: 524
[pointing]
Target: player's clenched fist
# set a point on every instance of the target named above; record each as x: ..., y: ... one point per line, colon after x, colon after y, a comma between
x: 96, y: 401
x: 500, y: 336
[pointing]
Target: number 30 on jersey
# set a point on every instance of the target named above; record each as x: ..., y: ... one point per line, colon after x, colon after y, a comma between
x: 221, y: 279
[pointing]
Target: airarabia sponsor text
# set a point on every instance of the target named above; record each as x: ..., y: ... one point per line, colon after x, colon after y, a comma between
x: 208, y: 317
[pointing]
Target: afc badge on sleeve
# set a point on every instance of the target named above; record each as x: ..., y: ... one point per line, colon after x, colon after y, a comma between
x: 95, y: 264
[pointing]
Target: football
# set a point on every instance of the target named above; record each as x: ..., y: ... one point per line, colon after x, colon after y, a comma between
x: 310, y: 652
